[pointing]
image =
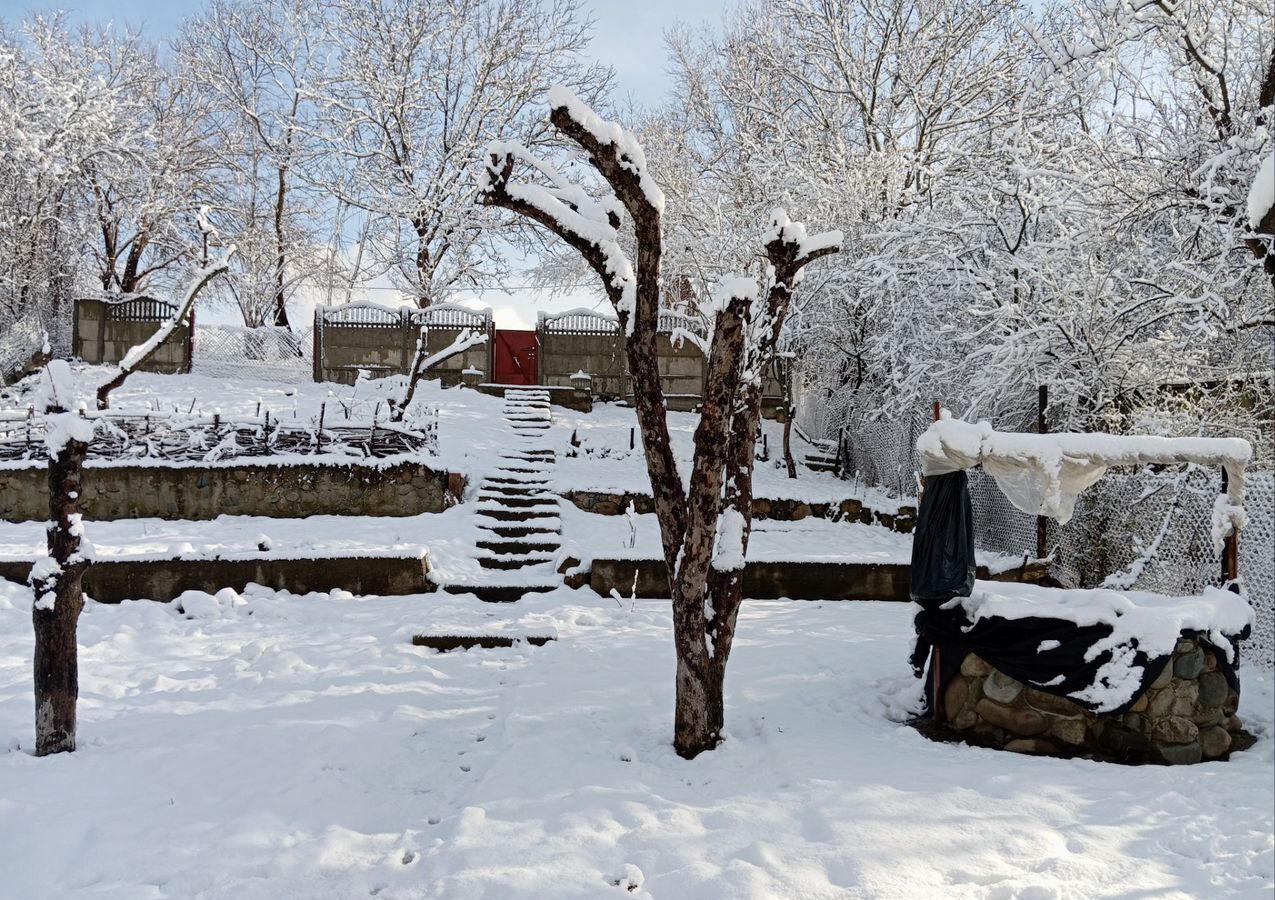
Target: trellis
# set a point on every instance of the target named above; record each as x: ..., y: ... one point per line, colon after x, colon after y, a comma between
x: 197, y: 437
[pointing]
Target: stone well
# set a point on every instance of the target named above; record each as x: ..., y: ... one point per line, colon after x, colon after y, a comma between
x: 1188, y: 714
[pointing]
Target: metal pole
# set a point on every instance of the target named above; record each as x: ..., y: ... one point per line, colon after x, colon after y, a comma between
x: 1230, y: 549
x: 1042, y: 427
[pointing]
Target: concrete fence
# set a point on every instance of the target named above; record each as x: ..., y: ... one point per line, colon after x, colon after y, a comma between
x: 382, y: 341
x: 582, y: 340
x: 104, y: 330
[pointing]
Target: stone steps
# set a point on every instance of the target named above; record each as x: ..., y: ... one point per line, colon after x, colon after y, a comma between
x: 516, y: 514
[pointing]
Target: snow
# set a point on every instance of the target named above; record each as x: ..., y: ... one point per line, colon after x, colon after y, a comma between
x: 62, y: 428
x: 628, y: 148
x: 46, y: 571
x: 1261, y: 194
x: 1139, y: 621
x: 1227, y: 517
x: 728, y: 555
x: 297, y: 747
x: 55, y: 388
x: 1044, y: 473
x: 728, y: 288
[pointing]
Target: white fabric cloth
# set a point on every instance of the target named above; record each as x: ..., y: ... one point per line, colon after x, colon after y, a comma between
x: 1043, y: 474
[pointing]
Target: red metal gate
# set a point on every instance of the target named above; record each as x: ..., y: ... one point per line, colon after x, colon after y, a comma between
x: 517, y: 353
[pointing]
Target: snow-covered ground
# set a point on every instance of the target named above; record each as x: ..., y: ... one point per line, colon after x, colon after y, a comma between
x: 471, y: 428
x: 301, y: 747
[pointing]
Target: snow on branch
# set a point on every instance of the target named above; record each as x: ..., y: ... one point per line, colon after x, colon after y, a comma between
x: 466, y: 340
x: 627, y: 150
x: 588, y: 225
x: 791, y: 248
x: 137, y: 355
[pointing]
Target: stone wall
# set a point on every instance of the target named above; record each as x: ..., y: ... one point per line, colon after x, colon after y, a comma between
x: 609, y: 503
x: 116, y: 580
x: 100, y: 338
x: 241, y: 489
x: 1187, y: 715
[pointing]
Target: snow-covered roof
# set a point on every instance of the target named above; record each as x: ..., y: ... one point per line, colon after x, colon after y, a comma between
x: 1043, y: 474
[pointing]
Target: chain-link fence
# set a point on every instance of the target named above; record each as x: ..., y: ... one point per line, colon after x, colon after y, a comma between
x: 1148, y: 529
x: 270, y: 353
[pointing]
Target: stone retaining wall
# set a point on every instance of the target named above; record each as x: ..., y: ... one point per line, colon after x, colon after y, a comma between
x: 776, y: 579
x: 113, y: 581
x: 608, y: 503
x: 1187, y: 715
x: 240, y: 489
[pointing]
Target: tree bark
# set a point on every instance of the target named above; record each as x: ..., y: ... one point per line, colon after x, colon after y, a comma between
x: 59, y: 598
x: 705, y: 601
x: 281, y: 254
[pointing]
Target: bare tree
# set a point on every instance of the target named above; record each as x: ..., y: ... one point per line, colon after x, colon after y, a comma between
x: 57, y: 580
x: 259, y: 68
x: 704, y: 528
x: 420, y: 90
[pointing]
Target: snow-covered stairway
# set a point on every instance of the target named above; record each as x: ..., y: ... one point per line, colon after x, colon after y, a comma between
x: 518, y: 518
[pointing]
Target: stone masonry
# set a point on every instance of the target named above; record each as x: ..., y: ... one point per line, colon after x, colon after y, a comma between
x: 1187, y: 715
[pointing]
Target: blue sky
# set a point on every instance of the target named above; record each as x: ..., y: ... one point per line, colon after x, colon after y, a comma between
x: 628, y: 35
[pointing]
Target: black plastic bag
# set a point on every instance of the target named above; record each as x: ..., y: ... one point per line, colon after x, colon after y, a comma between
x: 943, y: 545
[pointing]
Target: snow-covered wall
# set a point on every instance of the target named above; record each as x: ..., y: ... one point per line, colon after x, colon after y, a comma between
x: 272, y: 487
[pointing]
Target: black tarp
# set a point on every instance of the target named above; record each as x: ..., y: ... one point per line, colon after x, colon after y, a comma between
x: 943, y: 568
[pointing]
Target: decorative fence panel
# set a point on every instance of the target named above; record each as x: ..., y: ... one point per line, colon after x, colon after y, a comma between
x: 382, y: 341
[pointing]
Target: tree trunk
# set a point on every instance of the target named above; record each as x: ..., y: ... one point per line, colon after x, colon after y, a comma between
x: 700, y: 713
x: 59, y: 599
x: 281, y: 256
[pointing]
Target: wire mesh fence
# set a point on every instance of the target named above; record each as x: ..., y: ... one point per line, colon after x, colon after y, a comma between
x: 1148, y: 529
x: 273, y: 353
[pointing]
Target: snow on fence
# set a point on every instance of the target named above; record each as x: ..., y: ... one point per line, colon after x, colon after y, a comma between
x: 268, y: 352
x: 452, y: 316
x: 199, y: 437
x: 1148, y: 529
x: 139, y: 309
x: 577, y: 321
x: 382, y: 341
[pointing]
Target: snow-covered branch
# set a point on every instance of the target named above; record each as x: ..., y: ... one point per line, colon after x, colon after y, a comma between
x: 137, y: 355
x: 465, y: 340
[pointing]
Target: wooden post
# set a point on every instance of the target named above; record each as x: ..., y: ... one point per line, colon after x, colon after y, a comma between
x: 1230, y: 549
x: 1042, y: 427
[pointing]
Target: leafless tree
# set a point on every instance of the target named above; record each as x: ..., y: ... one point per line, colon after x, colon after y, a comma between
x: 705, y: 528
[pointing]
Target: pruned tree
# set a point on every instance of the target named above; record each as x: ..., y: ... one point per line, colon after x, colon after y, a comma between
x: 57, y: 580
x: 704, y: 527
